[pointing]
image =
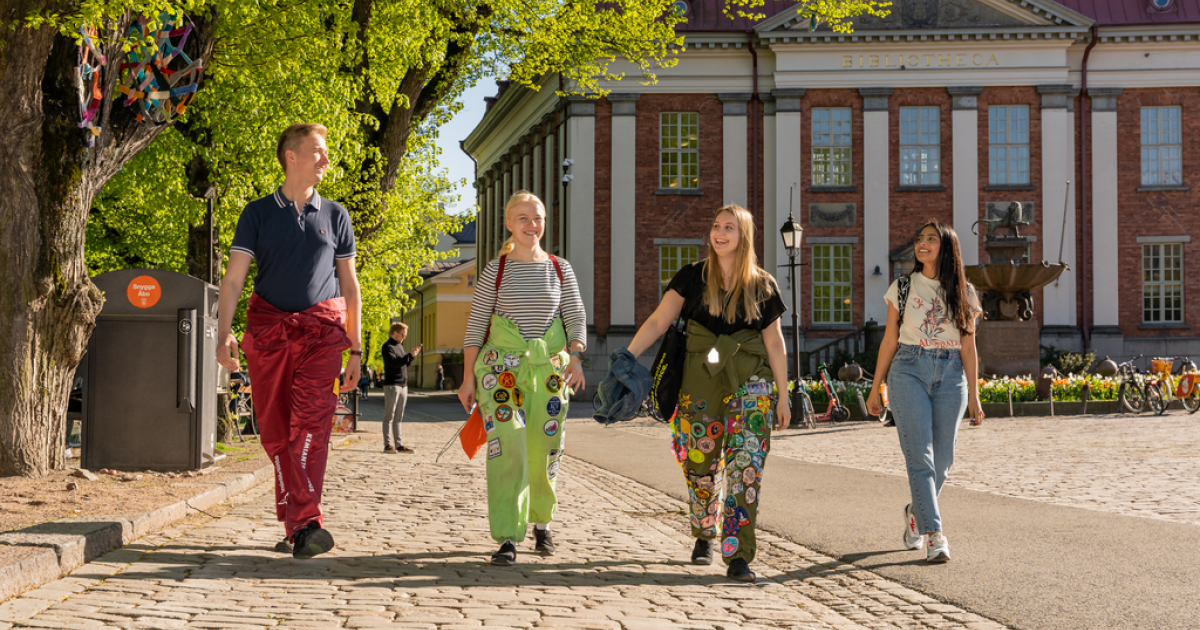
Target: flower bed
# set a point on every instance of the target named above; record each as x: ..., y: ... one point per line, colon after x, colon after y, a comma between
x: 994, y: 391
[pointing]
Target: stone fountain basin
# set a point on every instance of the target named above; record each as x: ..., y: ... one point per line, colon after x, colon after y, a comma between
x: 1013, y: 278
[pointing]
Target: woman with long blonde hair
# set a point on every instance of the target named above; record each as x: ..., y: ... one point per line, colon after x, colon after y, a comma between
x: 735, y: 366
x: 525, y: 336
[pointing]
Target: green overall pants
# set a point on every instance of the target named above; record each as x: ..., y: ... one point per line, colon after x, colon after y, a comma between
x: 722, y: 433
x: 523, y: 401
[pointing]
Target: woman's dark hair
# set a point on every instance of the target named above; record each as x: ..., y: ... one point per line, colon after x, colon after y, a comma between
x: 952, y: 277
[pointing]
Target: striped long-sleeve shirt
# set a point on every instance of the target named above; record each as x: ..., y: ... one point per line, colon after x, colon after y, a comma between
x: 531, y: 296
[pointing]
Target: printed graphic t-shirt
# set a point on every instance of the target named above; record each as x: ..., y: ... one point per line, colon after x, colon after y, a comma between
x: 926, y: 322
x: 689, y: 283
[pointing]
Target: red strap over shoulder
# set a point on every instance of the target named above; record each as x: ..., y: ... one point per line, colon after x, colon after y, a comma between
x: 557, y: 268
x: 500, y: 274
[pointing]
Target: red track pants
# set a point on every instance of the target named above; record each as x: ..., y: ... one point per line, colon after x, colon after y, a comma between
x: 294, y: 361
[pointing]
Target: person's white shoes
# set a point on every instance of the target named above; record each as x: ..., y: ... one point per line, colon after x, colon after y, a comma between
x: 912, y: 540
x: 938, y: 549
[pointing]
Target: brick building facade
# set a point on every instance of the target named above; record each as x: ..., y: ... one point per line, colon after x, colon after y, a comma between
x: 1082, y: 110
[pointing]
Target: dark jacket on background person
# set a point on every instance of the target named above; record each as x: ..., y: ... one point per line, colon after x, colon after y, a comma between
x: 395, y: 363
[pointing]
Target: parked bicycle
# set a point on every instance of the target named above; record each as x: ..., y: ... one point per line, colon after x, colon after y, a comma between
x: 853, y: 372
x: 1163, y: 379
x: 1134, y: 391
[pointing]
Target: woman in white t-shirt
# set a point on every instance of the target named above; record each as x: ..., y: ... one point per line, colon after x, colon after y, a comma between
x: 929, y: 350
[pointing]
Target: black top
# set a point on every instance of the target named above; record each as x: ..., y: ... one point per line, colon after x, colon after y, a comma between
x: 395, y: 363
x: 689, y: 284
x: 295, y: 251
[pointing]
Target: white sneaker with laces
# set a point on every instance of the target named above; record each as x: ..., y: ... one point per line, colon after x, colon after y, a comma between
x: 912, y: 540
x: 938, y: 549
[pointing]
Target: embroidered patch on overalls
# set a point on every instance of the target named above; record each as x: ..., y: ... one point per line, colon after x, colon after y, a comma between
x: 504, y: 413
x: 551, y: 427
x: 494, y: 449
x: 500, y: 396
x: 489, y: 381
x: 491, y: 357
x: 554, y: 406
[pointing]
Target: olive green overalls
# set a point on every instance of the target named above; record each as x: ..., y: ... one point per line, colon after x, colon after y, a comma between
x: 523, y: 402
x: 722, y: 434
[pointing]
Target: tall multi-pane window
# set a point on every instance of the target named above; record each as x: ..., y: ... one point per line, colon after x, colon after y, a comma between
x: 1008, y: 144
x: 1161, y: 147
x: 920, y: 146
x: 672, y: 258
x: 679, y: 151
x: 1162, y: 283
x: 831, y: 284
x: 831, y: 150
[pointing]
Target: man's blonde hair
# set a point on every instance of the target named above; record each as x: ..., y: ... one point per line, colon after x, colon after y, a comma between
x: 398, y: 328
x: 292, y: 136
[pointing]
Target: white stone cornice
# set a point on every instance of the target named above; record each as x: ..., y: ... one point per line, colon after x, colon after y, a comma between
x: 927, y: 35
x: 1150, y: 34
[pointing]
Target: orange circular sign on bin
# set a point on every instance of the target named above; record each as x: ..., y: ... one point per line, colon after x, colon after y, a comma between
x: 144, y: 291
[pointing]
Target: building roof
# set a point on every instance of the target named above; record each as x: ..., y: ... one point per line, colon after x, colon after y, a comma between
x: 1130, y: 12
x: 709, y: 15
x: 466, y: 235
x: 441, y: 266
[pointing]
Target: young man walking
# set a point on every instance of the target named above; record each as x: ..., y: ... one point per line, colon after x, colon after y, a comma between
x: 304, y: 312
x: 395, y: 387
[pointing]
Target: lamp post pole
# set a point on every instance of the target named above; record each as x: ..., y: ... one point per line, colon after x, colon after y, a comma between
x: 792, y: 234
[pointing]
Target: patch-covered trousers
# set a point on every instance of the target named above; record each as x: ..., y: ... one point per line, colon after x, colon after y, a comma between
x: 523, y: 400
x: 722, y: 434
x: 294, y: 361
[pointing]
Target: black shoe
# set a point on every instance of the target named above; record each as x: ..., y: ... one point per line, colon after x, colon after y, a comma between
x: 389, y: 449
x: 545, y: 543
x: 284, y: 547
x: 740, y: 571
x: 702, y: 552
x: 506, y: 556
x: 403, y: 449
x: 311, y: 541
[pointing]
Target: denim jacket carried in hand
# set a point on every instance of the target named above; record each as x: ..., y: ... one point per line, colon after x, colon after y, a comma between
x: 623, y: 389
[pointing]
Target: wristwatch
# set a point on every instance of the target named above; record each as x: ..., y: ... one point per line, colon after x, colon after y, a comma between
x: 577, y: 353
x: 357, y: 353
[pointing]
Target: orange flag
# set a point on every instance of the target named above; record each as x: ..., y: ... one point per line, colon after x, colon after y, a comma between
x: 473, y: 435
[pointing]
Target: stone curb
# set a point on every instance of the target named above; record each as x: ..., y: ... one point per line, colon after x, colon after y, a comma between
x: 43, y: 553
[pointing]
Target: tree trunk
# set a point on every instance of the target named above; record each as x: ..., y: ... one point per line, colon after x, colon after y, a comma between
x: 48, y: 180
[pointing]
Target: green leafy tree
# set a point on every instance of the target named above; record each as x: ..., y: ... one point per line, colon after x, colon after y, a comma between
x: 381, y: 74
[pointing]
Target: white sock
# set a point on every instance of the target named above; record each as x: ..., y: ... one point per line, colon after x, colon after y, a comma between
x: 542, y: 526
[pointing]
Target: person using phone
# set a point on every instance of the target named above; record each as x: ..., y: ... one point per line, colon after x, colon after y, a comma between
x: 395, y: 387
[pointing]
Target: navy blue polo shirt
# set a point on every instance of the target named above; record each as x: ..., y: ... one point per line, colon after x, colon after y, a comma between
x: 295, y: 251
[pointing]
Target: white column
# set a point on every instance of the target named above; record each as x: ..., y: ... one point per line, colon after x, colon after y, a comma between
x: 964, y: 134
x: 535, y: 173
x: 526, y: 182
x: 581, y: 217
x: 622, y: 270
x: 549, y: 184
x: 1105, y: 293
x: 876, y: 152
x: 788, y: 160
x: 771, y: 219
x: 1058, y: 168
x: 734, y: 147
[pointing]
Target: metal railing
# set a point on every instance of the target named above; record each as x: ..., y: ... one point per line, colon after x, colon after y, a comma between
x: 851, y: 343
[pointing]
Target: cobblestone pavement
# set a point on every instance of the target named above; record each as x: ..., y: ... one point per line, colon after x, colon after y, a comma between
x: 1142, y: 465
x: 412, y: 550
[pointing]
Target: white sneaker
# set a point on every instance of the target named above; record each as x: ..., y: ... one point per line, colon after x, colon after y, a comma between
x: 912, y: 540
x: 938, y: 549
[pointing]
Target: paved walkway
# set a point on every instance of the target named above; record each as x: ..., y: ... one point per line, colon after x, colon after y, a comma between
x: 412, y: 550
x: 1141, y: 465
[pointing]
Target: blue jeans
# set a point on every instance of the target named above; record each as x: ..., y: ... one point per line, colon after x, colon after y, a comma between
x: 927, y: 388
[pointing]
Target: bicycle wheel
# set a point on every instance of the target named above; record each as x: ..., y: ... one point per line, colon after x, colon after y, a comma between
x: 1191, y: 402
x: 809, y: 416
x: 1155, y: 399
x: 841, y: 414
x: 1132, y: 397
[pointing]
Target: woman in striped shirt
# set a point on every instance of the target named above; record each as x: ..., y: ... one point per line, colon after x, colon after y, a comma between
x: 525, y: 336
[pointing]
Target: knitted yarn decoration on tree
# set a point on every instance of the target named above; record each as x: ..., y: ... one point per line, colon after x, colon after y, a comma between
x: 87, y: 80
x: 157, y: 77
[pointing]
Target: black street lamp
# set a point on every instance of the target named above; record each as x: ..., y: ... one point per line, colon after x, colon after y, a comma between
x: 792, y: 234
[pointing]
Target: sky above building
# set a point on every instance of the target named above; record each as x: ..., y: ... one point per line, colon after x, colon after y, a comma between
x: 457, y: 164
